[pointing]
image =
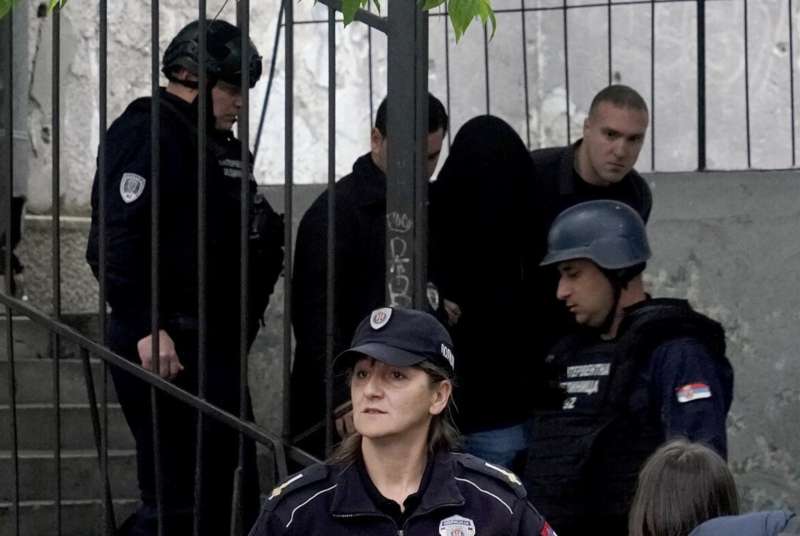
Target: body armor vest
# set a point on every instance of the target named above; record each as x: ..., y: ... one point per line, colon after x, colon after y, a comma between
x: 585, y: 457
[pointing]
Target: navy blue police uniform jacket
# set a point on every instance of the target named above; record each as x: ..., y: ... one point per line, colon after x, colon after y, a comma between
x: 664, y: 376
x: 463, y: 496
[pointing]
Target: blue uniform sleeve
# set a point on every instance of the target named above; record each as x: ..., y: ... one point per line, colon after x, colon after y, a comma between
x: 128, y: 217
x: 693, y: 390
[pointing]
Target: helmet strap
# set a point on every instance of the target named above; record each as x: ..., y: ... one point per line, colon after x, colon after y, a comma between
x: 618, y: 279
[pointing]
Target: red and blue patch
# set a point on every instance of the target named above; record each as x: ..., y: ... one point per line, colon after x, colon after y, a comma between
x: 692, y: 391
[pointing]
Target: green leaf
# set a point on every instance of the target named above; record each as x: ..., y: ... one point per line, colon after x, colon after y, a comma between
x: 59, y: 4
x: 349, y: 8
x: 430, y: 4
x: 5, y: 7
x: 463, y: 12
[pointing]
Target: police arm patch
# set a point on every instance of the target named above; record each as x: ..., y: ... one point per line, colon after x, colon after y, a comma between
x: 131, y: 187
x: 692, y: 391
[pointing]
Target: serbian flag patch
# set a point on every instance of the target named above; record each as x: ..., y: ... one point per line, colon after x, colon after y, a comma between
x: 692, y: 391
x: 547, y: 530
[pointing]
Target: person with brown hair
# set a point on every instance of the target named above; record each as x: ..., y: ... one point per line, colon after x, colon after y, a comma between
x: 397, y: 473
x: 687, y: 488
x: 681, y: 485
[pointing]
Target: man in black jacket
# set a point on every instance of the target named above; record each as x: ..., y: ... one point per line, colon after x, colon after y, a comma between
x: 597, y: 166
x: 359, y: 279
x: 637, y: 372
x: 129, y: 186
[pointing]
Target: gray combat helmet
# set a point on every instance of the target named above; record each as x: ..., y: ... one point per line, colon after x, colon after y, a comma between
x: 224, y: 56
x: 608, y: 233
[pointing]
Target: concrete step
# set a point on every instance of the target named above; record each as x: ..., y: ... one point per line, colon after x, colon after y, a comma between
x: 31, y: 341
x: 35, y: 381
x: 78, y: 518
x: 36, y: 427
x: 81, y: 477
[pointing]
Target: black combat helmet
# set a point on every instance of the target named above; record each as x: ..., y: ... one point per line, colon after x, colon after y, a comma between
x: 608, y: 233
x: 224, y: 57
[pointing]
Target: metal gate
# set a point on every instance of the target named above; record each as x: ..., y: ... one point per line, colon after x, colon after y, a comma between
x: 406, y: 27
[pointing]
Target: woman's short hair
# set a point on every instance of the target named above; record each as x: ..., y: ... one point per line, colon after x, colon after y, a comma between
x: 442, y: 435
x: 680, y: 486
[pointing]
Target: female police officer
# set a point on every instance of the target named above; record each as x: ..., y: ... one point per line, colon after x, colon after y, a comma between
x: 396, y: 474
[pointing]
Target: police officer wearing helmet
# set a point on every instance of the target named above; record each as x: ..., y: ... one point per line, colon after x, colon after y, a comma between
x: 396, y: 474
x: 638, y: 371
x: 127, y: 215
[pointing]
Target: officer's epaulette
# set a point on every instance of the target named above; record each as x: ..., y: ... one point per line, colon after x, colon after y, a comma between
x: 496, y: 472
x: 304, y: 478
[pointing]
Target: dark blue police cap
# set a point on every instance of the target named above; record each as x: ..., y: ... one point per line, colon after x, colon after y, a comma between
x: 400, y: 337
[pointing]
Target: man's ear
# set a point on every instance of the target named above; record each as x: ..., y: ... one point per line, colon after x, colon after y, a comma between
x: 375, y: 138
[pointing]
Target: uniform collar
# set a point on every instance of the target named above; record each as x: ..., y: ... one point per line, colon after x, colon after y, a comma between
x: 352, y: 499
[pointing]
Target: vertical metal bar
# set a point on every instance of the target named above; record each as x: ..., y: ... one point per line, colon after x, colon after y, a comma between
x: 608, y: 25
x: 525, y: 72
x: 108, y: 506
x: 244, y: 244
x: 652, y: 85
x: 447, y: 69
x: 8, y: 26
x: 271, y: 77
x: 288, y: 206
x: 370, y: 74
x: 202, y: 256
x: 791, y: 83
x: 486, y: 67
x: 747, y: 84
x: 421, y: 161
x: 155, y: 220
x: 331, y: 297
x: 566, y: 69
x: 701, y: 85
x: 405, y: 149
x: 56, y: 252
x: 97, y: 430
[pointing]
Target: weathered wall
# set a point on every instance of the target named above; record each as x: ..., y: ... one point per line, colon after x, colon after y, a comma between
x: 672, y: 96
x: 728, y: 242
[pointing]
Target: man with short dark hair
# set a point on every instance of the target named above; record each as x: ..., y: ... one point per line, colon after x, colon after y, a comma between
x: 600, y: 165
x: 636, y: 372
x: 359, y: 279
x: 129, y: 186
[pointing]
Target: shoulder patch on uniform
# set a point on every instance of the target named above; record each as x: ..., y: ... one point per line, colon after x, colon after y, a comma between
x: 131, y: 187
x: 304, y: 478
x: 692, y: 391
x: 496, y: 472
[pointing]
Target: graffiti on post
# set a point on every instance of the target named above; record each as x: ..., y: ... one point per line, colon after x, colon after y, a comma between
x: 399, y: 262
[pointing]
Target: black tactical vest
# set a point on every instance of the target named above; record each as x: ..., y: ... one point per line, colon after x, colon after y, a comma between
x: 585, y: 457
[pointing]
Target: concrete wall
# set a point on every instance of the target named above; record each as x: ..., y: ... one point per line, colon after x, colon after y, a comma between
x: 728, y: 242
x: 672, y: 96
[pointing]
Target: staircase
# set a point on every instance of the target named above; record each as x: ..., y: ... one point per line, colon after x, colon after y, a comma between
x: 81, y: 478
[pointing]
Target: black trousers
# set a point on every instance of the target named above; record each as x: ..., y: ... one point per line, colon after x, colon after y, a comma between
x: 177, y: 436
